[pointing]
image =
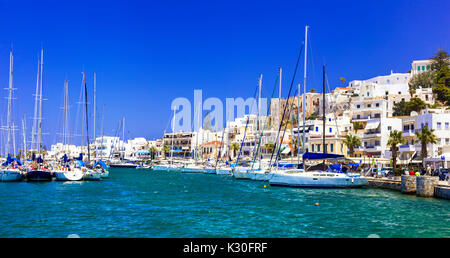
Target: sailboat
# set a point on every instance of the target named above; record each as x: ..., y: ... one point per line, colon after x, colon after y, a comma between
x: 9, y: 170
x: 88, y: 173
x: 65, y: 172
x: 316, y: 178
x: 40, y: 170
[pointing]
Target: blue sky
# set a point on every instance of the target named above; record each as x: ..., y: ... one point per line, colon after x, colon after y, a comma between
x: 147, y: 53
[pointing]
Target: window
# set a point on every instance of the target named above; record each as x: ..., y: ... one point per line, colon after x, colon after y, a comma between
x: 331, y: 130
x: 446, y: 125
x: 317, y: 128
x: 357, y: 106
x: 312, y: 146
x: 389, y: 128
x: 332, y: 147
x: 369, y: 105
x: 329, y: 119
x: 447, y: 140
x: 377, y: 104
x: 438, y: 125
x: 318, y: 147
x: 412, y: 127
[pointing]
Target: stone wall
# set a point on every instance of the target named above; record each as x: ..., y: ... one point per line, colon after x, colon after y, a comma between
x: 385, y: 183
x: 408, y: 184
x: 425, y: 185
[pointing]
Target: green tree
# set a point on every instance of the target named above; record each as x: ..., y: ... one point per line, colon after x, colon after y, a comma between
x: 313, y: 116
x: 395, y: 138
x: 440, y: 60
x: 403, y: 108
x: 313, y: 90
x: 352, y: 141
x: 440, y: 64
x: 269, y: 146
x: 425, y: 136
x: 153, y: 150
x: 342, y: 79
x: 235, y: 147
x: 165, y: 150
x: 424, y: 80
x: 357, y: 126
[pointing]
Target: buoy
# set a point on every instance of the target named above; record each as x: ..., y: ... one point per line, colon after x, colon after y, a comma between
x: 317, y: 204
x: 264, y: 186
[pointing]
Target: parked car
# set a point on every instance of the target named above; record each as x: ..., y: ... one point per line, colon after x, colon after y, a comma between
x: 387, y: 171
x: 443, y: 173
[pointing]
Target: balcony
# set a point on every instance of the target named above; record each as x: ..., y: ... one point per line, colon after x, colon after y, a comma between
x: 372, y: 148
x: 406, y: 148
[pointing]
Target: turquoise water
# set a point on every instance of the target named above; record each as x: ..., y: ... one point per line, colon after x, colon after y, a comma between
x: 144, y: 203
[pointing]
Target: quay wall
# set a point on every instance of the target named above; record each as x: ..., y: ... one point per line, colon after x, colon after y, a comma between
x: 440, y: 191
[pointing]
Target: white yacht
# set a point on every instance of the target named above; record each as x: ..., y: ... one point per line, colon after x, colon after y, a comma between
x: 332, y: 178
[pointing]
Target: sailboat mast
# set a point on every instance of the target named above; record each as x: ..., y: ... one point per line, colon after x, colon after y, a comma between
x: 24, y: 138
x: 323, y: 110
x: 123, y: 136
x: 298, y: 122
x: 304, y: 94
x: 279, y: 112
x: 36, y: 99
x: 173, y: 136
x: 8, y: 119
x: 95, y: 108
x: 103, y: 120
x: 40, y: 105
x: 259, y: 118
x: 87, y: 120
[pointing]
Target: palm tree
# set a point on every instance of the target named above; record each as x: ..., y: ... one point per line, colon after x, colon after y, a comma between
x: 269, y: 146
x: 153, y: 150
x: 395, y: 138
x: 357, y: 126
x: 425, y: 136
x: 165, y: 149
x: 235, y: 147
x: 342, y: 79
x: 352, y: 141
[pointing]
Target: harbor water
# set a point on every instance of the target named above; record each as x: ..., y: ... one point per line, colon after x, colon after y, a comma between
x: 145, y: 203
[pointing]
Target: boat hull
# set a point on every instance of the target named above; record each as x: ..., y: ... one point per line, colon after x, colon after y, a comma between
x: 10, y: 176
x: 306, y: 180
x: 209, y: 171
x: 69, y: 175
x: 224, y: 171
x: 242, y: 174
x: 123, y: 166
x: 39, y: 176
x: 192, y: 170
x: 104, y: 174
x: 92, y: 176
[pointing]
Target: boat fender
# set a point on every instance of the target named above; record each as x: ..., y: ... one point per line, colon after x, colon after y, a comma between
x: 64, y: 168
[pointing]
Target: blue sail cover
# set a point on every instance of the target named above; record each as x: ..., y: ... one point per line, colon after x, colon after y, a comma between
x: 17, y: 160
x: 80, y: 157
x: 8, y: 161
x: 39, y: 160
x: 334, y: 167
x: 321, y: 156
x: 80, y: 162
x: 101, y: 163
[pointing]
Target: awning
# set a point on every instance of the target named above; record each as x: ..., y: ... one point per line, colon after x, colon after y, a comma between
x: 372, y: 125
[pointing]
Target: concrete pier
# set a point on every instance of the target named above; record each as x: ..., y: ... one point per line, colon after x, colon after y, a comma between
x: 431, y: 188
x: 408, y: 184
x: 425, y: 185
